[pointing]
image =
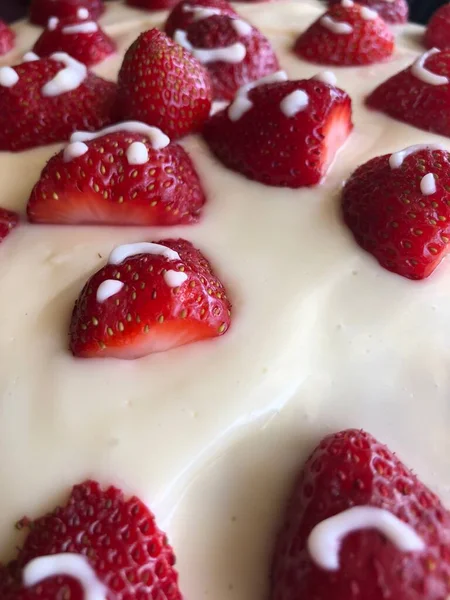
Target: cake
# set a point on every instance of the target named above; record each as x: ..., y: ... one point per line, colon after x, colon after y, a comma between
x: 210, y: 435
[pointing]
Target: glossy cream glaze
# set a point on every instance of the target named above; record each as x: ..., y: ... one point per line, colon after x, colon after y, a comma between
x: 211, y: 434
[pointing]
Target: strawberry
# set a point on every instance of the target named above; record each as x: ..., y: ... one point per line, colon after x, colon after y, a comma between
x: 8, y: 220
x: 7, y: 38
x: 189, y: 11
x: 119, y: 178
x: 351, y: 469
x: 149, y: 298
x: 347, y: 34
x: 246, y: 55
x: 35, y: 111
x: 393, y: 215
x: 118, y: 538
x: 152, y: 4
x: 436, y: 35
x: 391, y: 11
x: 411, y: 97
x: 83, y: 40
x: 265, y: 142
x: 42, y: 10
x: 163, y: 85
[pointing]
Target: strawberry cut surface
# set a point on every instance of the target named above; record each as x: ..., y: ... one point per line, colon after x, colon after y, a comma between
x: 437, y: 33
x: 8, y: 221
x: 104, y: 186
x: 42, y: 10
x: 266, y: 145
x: 119, y: 537
x: 186, y: 12
x: 163, y: 303
x: 348, y: 469
x: 7, y: 38
x: 345, y: 36
x: 392, y: 11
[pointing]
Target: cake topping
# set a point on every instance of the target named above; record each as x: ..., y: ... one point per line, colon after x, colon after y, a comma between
x: 108, y: 288
x: 391, y: 11
x: 234, y: 53
x: 201, y: 12
x: 175, y: 278
x: 74, y: 150
x: 347, y: 3
x: 294, y: 102
x: 8, y: 221
x: 186, y: 12
x: 53, y: 23
x: 121, y: 253
x: 137, y: 154
x: 338, y: 27
x: 420, y: 71
x: 8, y: 77
x: 396, y: 159
x: 241, y: 103
x: 428, y: 184
x: 83, y: 14
x: 42, y: 10
x: 66, y: 80
x: 30, y: 57
x: 368, y: 14
x: 241, y: 27
x: 326, y: 77
x: 87, y: 27
x: 156, y: 137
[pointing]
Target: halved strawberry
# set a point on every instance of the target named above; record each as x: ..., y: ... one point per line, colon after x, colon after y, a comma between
x: 189, y: 11
x: 7, y: 38
x: 420, y: 94
x: 347, y: 34
x: 84, y: 40
x: 129, y: 175
x: 152, y: 4
x: 392, y: 539
x: 42, y: 10
x: 437, y: 33
x: 111, y: 544
x: 233, y: 51
x: 283, y: 134
x: 398, y: 208
x: 149, y: 298
x: 163, y: 85
x: 8, y: 220
x: 39, y: 106
x: 392, y: 11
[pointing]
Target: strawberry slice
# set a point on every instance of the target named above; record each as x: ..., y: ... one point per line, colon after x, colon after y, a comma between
x: 347, y: 34
x: 83, y: 39
x: 99, y: 539
x: 149, y: 298
x: 45, y: 100
x: 152, y: 4
x: 436, y: 35
x: 234, y: 52
x: 390, y: 537
x: 128, y: 174
x: 392, y: 11
x: 8, y: 220
x: 397, y: 207
x: 284, y: 133
x: 189, y: 11
x: 418, y: 94
x: 42, y: 10
x: 163, y: 85
x: 7, y: 38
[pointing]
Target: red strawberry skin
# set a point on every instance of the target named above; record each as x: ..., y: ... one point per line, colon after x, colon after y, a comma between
x: 180, y: 18
x: 406, y: 231
x: 371, y: 41
x: 8, y: 220
x: 218, y: 32
x: 161, y: 84
x: 152, y: 4
x: 392, y: 12
x: 7, y: 38
x: 120, y: 538
x: 29, y: 119
x: 102, y: 187
x: 436, y: 35
x: 347, y: 469
x: 299, y: 152
x: 407, y: 98
x: 42, y: 10
x: 147, y: 315
x: 88, y: 48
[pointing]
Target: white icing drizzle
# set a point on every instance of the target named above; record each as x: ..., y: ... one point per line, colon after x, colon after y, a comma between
x: 137, y: 153
x: 326, y: 77
x: 241, y: 27
x: 121, y: 253
x: 71, y: 565
x: 66, y: 80
x: 419, y: 70
x: 30, y: 57
x: 74, y: 150
x: 396, y: 159
x: 108, y: 288
x: 241, y: 103
x: 325, y: 539
x: 52, y: 23
x: 339, y: 27
x: 230, y: 54
x: 87, y: 27
x: 8, y: 77
x: 200, y: 12
x: 294, y: 103
x: 347, y: 3
x: 368, y: 14
x: 174, y: 278
x: 83, y: 14
x: 428, y: 185
x: 157, y: 138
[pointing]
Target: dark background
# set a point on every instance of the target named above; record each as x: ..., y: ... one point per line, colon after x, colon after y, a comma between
x: 421, y: 10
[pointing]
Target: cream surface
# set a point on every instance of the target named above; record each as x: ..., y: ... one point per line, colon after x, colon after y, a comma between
x: 210, y: 435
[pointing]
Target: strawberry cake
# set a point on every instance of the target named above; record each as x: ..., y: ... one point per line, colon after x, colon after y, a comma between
x: 223, y: 239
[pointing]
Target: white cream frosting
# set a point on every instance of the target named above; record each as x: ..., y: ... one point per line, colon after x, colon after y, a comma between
x: 234, y: 53
x: 67, y: 79
x: 322, y: 339
x: 419, y: 70
x: 157, y: 138
x: 339, y: 27
x: 86, y: 27
x: 107, y: 289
